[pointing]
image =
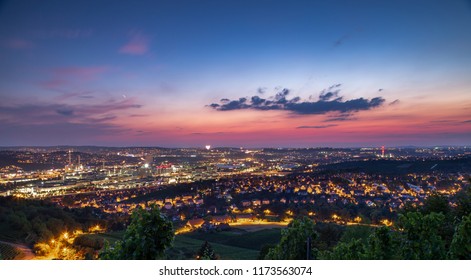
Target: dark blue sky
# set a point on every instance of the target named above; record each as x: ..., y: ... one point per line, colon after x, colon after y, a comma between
x: 143, y: 72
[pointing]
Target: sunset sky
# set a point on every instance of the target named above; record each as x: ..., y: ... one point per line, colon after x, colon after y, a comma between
x: 235, y: 73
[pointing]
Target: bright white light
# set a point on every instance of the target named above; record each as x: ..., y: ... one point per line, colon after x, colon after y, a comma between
x: 146, y: 165
x: 208, y: 147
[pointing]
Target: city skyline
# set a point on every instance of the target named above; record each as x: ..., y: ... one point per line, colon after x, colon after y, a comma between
x: 235, y: 73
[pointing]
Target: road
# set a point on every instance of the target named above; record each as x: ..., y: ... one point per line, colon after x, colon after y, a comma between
x: 27, y: 252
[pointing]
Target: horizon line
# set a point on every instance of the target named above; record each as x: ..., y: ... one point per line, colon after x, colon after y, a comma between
x: 240, y: 147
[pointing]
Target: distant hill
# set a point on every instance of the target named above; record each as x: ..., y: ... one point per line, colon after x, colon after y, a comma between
x: 400, y: 167
x: 8, y: 158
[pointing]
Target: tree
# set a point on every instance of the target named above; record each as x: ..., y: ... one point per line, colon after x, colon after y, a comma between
x: 463, y: 202
x: 206, y: 252
x: 329, y: 235
x: 264, y: 251
x: 421, y: 238
x: 351, y: 250
x: 356, y: 232
x: 436, y: 203
x: 461, y: 244
x: 295, y: 240
x: 146, y: 238
x: 382, y: 244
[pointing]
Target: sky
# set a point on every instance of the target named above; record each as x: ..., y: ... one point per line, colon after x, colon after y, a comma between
x: 259, y: 73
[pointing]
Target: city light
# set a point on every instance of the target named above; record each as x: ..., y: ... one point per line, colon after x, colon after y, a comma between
x: 386, y: 222
x: 357, y: 219
x: 240, y: 191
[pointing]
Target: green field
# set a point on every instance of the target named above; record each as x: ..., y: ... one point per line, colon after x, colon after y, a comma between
x: 185, y: 247
x: 249, y: 240
x: 111, y: 237
x: 229, y: 245
x: 236, y: 244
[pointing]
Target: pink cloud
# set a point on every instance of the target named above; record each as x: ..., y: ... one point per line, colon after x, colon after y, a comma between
x: 71, y: 33
x: 19, y: 44
x: 69, y: 76
x: 67, y: 33
x: 62, y: 112
x: 53, y: 84
x: 81, y: 95
x: 81, y: 73
x: 138, y: 45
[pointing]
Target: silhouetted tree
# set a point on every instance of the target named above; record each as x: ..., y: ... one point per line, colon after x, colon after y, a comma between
x: 351, y: 250
x: 463, y: 203
x: 356, y: 232
x: 329, y: 235
x: 436, y: 203
x: 146, y: 238
x: 264, y: 251
x: 461, y: 244
x: 421, y: 239
x: 295, y: 240
x: 206, y: 252
x: 382, y: 244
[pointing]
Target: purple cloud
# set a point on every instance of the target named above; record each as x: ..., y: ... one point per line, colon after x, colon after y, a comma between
x: 137, y: 45
x: 328, y: 102
x: 66, y: 33
x: 19, y: 44
x: 66, y: 76
x: 316, y: 126
x: 53, y: 83
x: 81, y: 73
x: 340, y: 117
x: 63, y: 133
x: 48, y: 114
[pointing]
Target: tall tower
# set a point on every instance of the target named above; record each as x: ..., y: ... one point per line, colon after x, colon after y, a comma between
x: 382, y: 151
x: 68, y: 166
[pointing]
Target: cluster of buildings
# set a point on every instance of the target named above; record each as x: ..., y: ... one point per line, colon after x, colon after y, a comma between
x: 228, y: 184
x: 275, y: 199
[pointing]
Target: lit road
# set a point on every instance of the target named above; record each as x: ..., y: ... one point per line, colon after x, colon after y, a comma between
x: 27, y: 252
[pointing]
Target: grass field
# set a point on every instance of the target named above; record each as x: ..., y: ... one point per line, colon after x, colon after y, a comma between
x: 237, y: 244
x: 249, y: 240
x: 185, y: 247
x: 111, y: 237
